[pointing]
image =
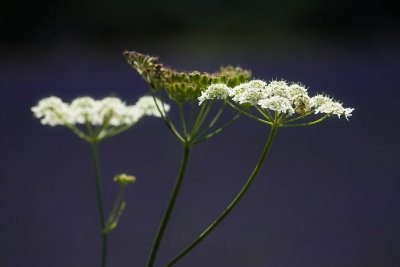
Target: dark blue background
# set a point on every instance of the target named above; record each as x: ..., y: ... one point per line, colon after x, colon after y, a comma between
x: 328, y: 195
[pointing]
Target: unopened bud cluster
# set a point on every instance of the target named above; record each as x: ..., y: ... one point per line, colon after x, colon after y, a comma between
x: 182, y: 86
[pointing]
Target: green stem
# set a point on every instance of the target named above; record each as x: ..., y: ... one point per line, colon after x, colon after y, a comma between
x: 100, y: 200
x: 183, y: 121
x: 165, y: 116
x: 308, y: 123
x: 197, y: 123
x: 206, y: 136
x: 117, y: 204
x: 247, y: 114
x: 210, y: 126
x: 265, y: 114
x: 235, y: 201
x: 170, y: 207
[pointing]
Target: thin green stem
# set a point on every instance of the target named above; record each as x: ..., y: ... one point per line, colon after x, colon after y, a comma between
x: 206, y: 136
x: 265, y: 114
x: 235, y: 201
x: 193, y: 107
x: 247, y: 114
x: 115, y: 131
x: 117, y: 204
x: 217, y: 116
x: 197, y: 122
x: 170, y: 207
x: 200, y: 137
x: 165, y: 117
x: 89, y: 127
x: 183, y: 121
x: 298, y: 118
x: 308, y: 123
x: 100, y: 200
x: 205, y: 115
x: 200, y: 121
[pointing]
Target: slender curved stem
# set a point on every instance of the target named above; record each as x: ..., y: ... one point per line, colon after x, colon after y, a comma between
x: 217, y: 116
x: 205, y: 132
x: 205, y: 115
x: 183, y: 121
x: 197, y: 123
x: 165, y: 116
x: 235, y: 201
x: 308, y: 123
x: 247, y: 114
x: 297, y: 118
x: 206, y: 136
x: 170, y: 207
x: 100, y: 200
x: 118, y: 200
x: 264, y: 113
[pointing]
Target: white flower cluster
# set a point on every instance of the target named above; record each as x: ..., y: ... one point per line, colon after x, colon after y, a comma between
x: 215, y: 91
x: 53, y: 111
x: 278, y: 96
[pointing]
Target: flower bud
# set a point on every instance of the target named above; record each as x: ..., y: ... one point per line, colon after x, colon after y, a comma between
x: 124, y: 179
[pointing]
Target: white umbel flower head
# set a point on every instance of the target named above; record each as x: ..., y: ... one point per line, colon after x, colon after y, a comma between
x: 215, y: 91
x: 82, y: 110
x: 279, y: 96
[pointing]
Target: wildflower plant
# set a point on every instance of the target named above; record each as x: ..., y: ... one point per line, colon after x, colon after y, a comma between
x: 277, y: 104
x: 200, y: 99
x: 194, y: 125
x: 94, y: 121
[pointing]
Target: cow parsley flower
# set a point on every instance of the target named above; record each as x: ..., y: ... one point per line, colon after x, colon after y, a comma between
x: 277, y: 103
x: 250, y: 92
x: 296, y: 90
x: 286, y: 99
x: 215, y: 91
x: 279, y: 88
x: 108, y: 116
x: 324, y: 104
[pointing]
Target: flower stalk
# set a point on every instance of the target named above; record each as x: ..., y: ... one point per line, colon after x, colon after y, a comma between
x: 170, y: 206
x: 183, y: 88
x: 275, y: 102
x: 100, y: 201
x: 234, y: 202
x: 94, y: 121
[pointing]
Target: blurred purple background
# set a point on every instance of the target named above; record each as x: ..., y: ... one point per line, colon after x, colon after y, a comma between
x: 327, y: 197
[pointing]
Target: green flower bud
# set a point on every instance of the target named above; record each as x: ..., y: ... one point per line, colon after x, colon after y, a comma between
x: 124, y: 179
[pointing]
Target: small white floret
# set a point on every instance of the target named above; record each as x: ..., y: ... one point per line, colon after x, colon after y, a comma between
x: 279, y: 88
x: 277, y: 103
x: 250, y: 92
x: 215, y: 91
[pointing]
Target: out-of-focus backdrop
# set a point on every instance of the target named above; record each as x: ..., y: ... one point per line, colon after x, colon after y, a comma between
x: 327, y: 197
